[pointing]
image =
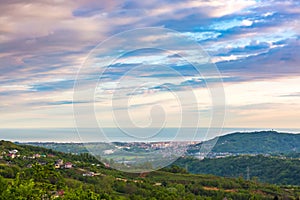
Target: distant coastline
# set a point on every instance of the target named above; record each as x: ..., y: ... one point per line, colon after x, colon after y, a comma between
x: 70, y: 135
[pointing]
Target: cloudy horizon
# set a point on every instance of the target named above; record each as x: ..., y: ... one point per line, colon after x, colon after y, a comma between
x: 254, y: 44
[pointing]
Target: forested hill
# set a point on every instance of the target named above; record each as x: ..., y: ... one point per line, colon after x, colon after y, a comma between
x: 261, y: 142
x: 28, y: 172
x: 276, y: 170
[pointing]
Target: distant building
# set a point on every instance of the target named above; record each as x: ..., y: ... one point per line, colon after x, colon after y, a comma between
x: 68, y: 165
x: 11, y: 155
x: 13, y: 151
x: 58, y: 164
x: 89, y: 174
x: 108, y: 151
x: 37, y: 155
x: 59, y: 193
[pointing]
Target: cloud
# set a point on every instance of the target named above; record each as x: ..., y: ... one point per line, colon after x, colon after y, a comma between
x: 277, y: 62
x: 44, y: 43
x: 53, y: 86
x: 295, y: 94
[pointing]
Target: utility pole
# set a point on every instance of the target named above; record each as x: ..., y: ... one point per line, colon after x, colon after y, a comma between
x: 248, y: 173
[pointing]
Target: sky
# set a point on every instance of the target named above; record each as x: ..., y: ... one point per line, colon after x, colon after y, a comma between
x: 253, y: 44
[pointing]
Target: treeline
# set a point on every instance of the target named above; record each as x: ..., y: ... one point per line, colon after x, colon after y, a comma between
x: 22, y: 178
x: 44, y: 182
x: 275, y: 170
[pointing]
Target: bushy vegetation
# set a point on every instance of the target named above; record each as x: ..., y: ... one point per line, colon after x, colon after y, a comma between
x: 39, y: 179
x: 274, y: 170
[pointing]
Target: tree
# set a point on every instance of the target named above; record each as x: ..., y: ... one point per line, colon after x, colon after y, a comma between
x: 3, y: 184
x: 23, y: 189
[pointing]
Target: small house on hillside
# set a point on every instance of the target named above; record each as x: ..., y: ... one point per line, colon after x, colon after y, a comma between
x: 58, y: 164
x: 37, y: 155
x: 68, y: 165
x: 11, y: 155
x: 13, y: 151
x: 91, y: 174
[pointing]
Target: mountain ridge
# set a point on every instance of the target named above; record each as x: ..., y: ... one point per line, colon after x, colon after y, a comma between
x: 258, y: 142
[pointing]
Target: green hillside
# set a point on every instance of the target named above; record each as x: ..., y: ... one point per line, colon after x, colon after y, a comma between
x: 262, y: 142
x: 274, y: 170
x: 32, y: 174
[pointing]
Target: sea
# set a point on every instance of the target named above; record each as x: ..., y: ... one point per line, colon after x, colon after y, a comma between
x: 73, y: 135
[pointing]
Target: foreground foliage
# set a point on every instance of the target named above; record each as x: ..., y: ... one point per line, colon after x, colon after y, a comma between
x: 39, y: 179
